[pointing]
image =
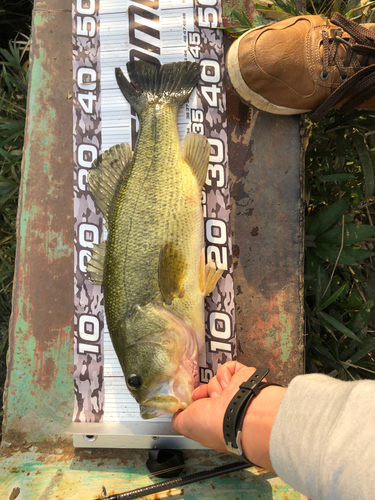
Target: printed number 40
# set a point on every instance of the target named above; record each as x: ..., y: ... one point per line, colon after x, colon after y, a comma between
x: 87, y: 101
x: 210, y: 93
x: 210, y: 74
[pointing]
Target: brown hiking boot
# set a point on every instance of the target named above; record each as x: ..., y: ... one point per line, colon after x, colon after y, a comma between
x: 305, y: 63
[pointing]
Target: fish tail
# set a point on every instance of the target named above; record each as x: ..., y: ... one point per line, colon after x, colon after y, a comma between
x: 152, y: 84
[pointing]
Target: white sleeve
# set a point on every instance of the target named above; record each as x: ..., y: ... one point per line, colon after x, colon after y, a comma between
x: 323, y: 438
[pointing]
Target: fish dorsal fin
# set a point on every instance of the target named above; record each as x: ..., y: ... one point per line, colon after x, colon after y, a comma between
x: 172, y: 272
x: 95, y: 265
x: 196, y: 155
x: 107, y: 175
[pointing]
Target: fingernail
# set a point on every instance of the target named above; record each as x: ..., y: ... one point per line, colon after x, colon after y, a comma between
x: 223, y: 384
x: 214, y: 395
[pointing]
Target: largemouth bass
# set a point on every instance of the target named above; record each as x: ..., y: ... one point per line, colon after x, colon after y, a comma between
x: 152, y: 266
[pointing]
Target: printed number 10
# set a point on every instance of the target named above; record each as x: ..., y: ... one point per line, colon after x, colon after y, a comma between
x: 220, y: 328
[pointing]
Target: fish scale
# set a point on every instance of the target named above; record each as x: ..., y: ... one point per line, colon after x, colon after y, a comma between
x: 153, y: 208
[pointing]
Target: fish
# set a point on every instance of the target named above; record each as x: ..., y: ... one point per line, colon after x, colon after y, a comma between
x: 152, y: 266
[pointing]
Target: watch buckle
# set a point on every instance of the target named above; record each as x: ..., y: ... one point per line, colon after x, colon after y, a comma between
x: 238, y: 450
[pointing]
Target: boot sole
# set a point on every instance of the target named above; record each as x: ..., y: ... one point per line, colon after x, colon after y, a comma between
x: 242, y: 90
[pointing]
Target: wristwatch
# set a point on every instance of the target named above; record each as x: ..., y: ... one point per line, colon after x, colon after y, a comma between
x: 235, y: 413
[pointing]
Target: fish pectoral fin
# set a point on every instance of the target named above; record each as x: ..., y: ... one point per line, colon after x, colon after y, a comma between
x: 212, y: 276
x: 95, y: 265
x: 107, y: 175
x: 172, y: 272
x: 196, y: 155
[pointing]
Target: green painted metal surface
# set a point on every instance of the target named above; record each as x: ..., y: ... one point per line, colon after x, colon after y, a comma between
x: 62, y: 475
x: 267, y: 224
x: 39, y: 388
x: 37, y: 458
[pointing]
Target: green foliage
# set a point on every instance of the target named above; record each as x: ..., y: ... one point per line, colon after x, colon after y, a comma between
x: 339, y: 299
x: 271, y: 11
x: 279, y: 10
x: 15, y: 17
x: 339, y: 230
x: 13, y: 94
x: 245, y: 24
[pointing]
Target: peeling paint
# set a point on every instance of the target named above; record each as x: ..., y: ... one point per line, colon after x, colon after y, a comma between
x: 48, y: 476
x: 40, y: 357
x: 267, y: 222
x: 277, y: 323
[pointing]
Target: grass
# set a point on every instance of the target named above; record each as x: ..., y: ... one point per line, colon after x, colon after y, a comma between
x: 339, y: 253
x: 15, y: 18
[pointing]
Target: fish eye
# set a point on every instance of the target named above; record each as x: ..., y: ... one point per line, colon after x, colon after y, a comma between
x: 134, y: 381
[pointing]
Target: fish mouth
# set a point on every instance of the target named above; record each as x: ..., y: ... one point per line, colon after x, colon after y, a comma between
x: 159, y: 405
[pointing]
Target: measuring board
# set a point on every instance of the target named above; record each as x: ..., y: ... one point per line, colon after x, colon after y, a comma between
x: 105, y: 37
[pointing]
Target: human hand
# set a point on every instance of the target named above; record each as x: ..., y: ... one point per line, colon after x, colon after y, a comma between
x: 202, y: 421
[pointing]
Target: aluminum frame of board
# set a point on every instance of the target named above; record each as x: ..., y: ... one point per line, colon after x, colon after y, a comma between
x: 37, y: 457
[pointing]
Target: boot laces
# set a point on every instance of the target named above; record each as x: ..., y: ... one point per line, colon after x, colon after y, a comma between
x: 357, y: 41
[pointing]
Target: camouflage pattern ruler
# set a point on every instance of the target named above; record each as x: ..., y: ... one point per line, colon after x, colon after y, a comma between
x: 161, y: 31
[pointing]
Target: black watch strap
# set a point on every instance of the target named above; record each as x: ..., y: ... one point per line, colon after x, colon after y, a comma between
x: 235, y: 413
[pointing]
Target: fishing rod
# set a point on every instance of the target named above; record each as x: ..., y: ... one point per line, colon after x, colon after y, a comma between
x: 177, y: 482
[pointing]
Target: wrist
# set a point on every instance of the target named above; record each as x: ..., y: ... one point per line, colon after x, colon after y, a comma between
x: 257, y: 425
x: 236, y: 410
